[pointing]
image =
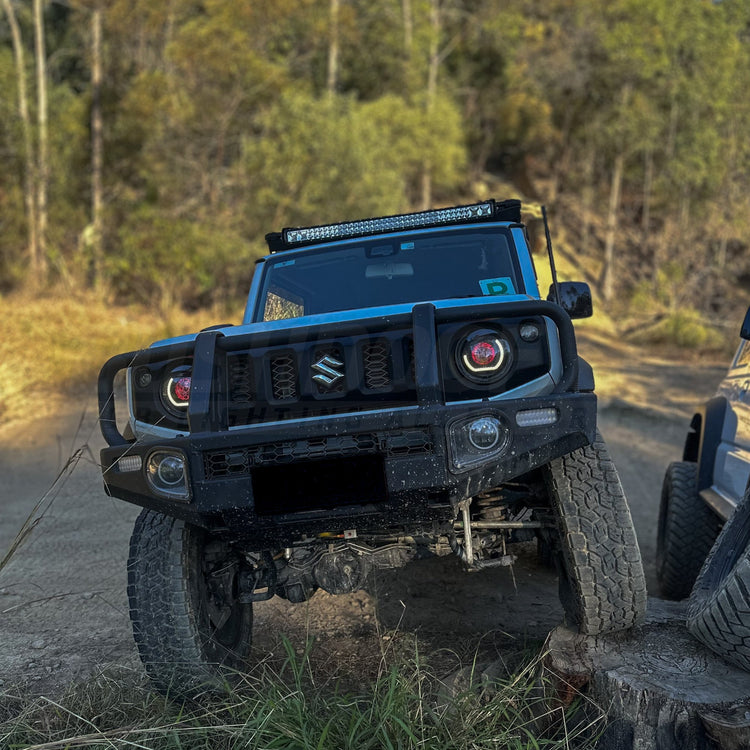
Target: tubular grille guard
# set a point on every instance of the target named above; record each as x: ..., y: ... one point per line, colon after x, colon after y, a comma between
x: 238, y: 462
x: 210, y: 350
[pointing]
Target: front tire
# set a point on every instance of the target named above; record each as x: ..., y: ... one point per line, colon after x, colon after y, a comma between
x: 602, y: 585
x: 719, y: 605
x: 687, y: 530
x: 187, y: 620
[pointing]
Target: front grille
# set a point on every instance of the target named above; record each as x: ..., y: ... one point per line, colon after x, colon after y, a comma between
x: 239, y: 461
x: 304, y: 379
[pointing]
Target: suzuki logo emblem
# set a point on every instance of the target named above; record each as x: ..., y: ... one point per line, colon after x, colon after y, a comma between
x: 326, y: 372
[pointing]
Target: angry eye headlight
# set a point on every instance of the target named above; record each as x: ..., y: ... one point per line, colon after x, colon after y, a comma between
x: 484, y: 356
x: 175, y: 390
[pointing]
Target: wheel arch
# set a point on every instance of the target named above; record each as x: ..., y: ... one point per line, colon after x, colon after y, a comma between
x: 704, y: 437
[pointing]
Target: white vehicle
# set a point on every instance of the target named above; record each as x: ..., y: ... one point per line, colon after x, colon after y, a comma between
x: 702, y: 491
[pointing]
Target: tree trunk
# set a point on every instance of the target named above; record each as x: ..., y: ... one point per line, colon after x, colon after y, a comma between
x: 29, y: 180
x: 408, y: 28
x: 333, y: 49
x: 432, y: 79
x: 97, y: 147
x: 648, y: 181
x: 611, y: 235
x: 662, y: 689
x: 613, y: 210
x: 40, y: 271
x: 587, y: 196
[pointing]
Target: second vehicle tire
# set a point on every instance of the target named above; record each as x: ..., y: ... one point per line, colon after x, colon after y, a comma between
x: 686, y: 532
x: 719, y: 605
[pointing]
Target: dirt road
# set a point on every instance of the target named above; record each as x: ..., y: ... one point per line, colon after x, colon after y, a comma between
x: 63, y: 611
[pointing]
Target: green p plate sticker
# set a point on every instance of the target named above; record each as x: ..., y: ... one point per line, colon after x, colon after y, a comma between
x: 497, y: 287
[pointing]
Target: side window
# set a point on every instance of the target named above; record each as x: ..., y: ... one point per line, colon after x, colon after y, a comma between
x: 743, y: 355
x: 282, y: 305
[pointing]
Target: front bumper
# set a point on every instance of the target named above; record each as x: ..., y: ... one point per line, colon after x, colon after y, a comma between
x: 272, y: 485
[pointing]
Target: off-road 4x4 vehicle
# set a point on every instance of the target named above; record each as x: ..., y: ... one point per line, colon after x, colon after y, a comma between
x: 703, y: 541
x: 396, y: 389
x: 702, y: 491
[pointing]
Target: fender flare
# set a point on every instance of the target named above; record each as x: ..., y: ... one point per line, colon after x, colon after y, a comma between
x: 704, y: 437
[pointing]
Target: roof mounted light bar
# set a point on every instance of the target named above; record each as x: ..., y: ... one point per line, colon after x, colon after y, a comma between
x: 490, y: 210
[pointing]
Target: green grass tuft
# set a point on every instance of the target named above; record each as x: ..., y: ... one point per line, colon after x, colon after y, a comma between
x: 280, y: 706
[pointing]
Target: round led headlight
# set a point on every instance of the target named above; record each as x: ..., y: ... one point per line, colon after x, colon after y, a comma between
x: 484, y: 356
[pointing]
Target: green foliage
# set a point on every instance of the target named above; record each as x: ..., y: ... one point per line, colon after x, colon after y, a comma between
x: 177, y: 261
x: 330, y: 159
x: 218, y: 119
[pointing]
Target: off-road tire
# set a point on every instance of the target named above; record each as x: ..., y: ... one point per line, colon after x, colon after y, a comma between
x: 719, y: 605
x: 602, y: 585
x: 175, y: 607
x: 686, y: 532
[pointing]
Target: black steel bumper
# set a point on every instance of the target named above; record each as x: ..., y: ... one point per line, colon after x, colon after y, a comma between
x: 366, y: 472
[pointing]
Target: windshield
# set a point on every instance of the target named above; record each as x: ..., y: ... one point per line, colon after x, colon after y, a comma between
x: 390, y: 270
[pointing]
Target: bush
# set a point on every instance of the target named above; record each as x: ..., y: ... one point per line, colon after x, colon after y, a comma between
x: 173, y: 261
x: 683, y: 328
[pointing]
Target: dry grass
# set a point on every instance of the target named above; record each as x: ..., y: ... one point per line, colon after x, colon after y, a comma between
x: 52, y: 347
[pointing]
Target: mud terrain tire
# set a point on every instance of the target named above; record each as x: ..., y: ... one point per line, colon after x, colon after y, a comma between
x: 602, y: 585
x: 687, y: 530
x: 719, y: 605
x: 187, y: 622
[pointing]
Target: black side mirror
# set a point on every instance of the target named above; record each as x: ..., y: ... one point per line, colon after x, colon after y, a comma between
x: 745, y: 331
x: 575, y: 298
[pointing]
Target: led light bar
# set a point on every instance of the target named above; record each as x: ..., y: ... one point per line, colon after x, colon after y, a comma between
x: 488, y: 210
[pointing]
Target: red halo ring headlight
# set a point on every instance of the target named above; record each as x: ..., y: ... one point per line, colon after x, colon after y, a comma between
x: 484, y: 356
x: 175, y: 390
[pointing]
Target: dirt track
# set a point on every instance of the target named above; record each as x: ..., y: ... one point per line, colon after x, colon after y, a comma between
x: 63, y: 610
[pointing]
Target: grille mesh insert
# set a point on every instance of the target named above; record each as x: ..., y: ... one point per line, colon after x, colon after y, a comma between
x: 241, y: 379
x: 284, y: 377
x: 376, y: 363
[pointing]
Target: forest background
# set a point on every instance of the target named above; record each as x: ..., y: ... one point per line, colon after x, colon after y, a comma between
x: 146, y: 148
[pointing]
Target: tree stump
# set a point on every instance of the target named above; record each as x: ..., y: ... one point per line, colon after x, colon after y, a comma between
x: 661, y: 688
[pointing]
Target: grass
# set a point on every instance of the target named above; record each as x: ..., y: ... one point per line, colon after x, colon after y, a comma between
x: 53, y: 346
x: 284, y: 704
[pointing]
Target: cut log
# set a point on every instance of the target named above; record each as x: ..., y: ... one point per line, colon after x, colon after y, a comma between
x: 661, y: 688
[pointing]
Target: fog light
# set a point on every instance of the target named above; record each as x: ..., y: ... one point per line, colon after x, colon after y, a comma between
x: 167, y: 474
x: 171, y: 470
x: 536, y: 417
x: 477, y: 440
x: 484, y: 433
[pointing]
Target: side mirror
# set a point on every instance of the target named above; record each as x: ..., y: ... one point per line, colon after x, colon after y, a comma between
x: 575, y: 298
x: 745, y: 331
